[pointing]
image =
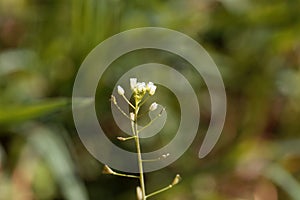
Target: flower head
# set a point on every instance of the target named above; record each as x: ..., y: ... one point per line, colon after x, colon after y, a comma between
x: 141, y: 87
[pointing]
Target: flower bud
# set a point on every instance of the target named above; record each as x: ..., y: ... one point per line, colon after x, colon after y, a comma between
x: 176, y: 180
x: 107, y: 170
x: 132, y: 117
x: 153, y: 106
x: 120, y: 90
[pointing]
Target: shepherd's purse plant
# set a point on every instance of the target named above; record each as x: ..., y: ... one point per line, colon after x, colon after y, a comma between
x: 141, y: 93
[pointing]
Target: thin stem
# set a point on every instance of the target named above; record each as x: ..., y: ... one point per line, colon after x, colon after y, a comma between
x: 113, y: 99
x: 108, y: 170
x: 126, y: 138
x: 140, y: 162
x: 159, y: 191
x: 125, y: 175
x: 128, y: 101
x: 153, y: 120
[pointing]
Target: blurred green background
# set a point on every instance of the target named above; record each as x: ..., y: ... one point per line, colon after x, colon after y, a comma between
x: 255, y: 44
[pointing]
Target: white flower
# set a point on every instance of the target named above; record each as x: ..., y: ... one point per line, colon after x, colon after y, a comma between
x: 133, y: 82
x: 153, y: 106
x: 152, y: 89
x: 141, y: 87
x: 132, y: 117
x: 120, y: 90
x: 149, y: 85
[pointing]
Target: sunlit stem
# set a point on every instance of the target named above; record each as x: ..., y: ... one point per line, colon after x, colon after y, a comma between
x: 108, y: 170
x: 113, y: 99
x: 138, y: 147
x: 126, y: 138
x: 159, y: 191
x: 175, y: 181
x: 125, y: 175
x: 153, y: 120
x: 124, y: 97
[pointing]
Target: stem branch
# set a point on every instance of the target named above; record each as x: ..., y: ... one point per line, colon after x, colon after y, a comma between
x: 128, y: 101
x: 125, y: 175
x: 159, y: 191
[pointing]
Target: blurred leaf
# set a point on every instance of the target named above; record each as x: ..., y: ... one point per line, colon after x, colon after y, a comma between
x: 17, y: 113
x: 54, y: 151
x: 14, y: 60
x: 284, y: 179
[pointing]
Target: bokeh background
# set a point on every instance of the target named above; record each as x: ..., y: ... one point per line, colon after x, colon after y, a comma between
x: 256, y: 46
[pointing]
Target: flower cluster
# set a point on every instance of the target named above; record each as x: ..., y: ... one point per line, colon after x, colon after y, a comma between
x: 139, y: 89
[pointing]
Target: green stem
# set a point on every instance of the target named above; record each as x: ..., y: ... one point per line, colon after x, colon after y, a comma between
x: 153, y: 120
x: 126, y: 138
x: 128, y: 101
x: 159, y: 191
x: 124, y: 175
x: 140, y: 161
x: 120, y: 109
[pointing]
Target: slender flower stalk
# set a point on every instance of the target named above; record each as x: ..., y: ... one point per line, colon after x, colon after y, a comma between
x: 139, y: 153
x: 140, y: 90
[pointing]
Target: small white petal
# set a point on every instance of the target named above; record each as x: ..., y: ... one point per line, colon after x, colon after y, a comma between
x: 153, y: 106
x: 133, y: 82
x: 120, y: 90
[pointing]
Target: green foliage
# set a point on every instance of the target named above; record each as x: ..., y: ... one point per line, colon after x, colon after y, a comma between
x: 255, y: 45
x: 17, y: 113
